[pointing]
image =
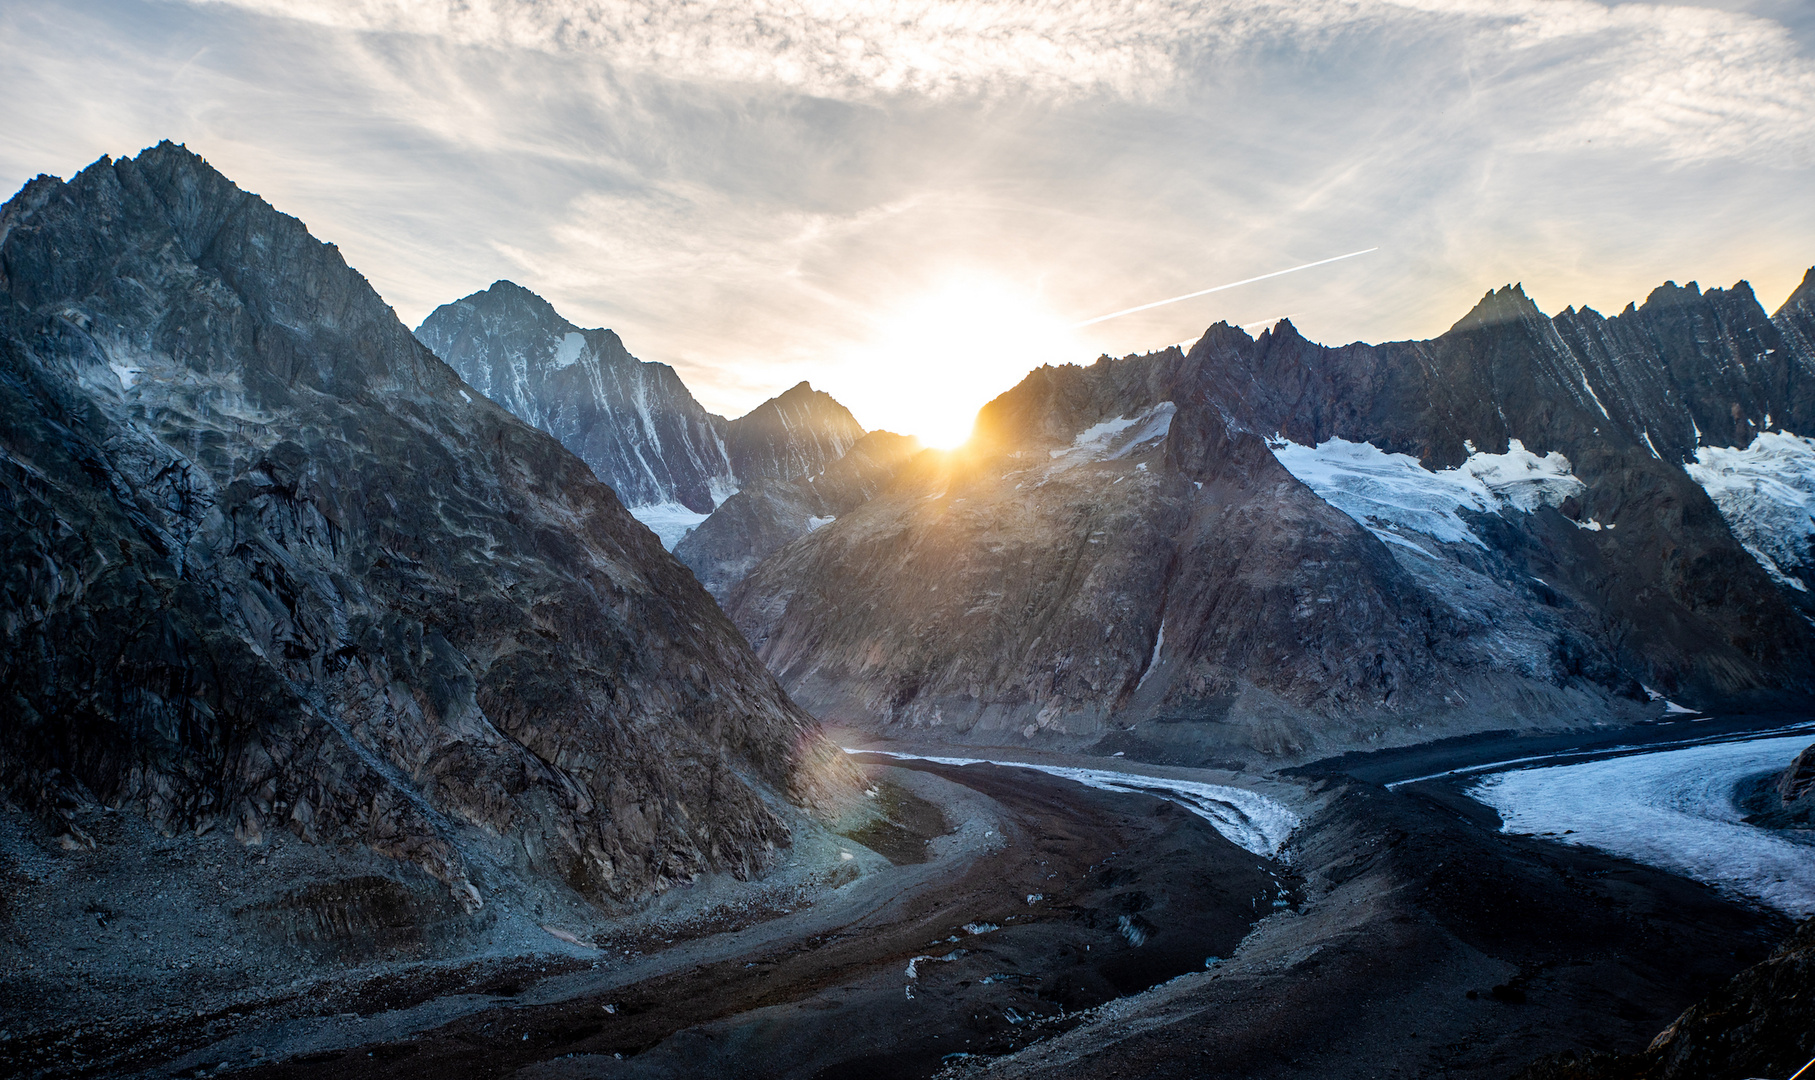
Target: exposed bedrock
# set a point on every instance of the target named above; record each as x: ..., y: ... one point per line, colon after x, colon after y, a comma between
x: 769, y: 514
x: 1493, y: 528
x: 633, y: 422
x: 269, y: 564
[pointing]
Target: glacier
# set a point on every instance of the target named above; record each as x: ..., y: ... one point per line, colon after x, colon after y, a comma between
x: 1391, y: 493
x: 1766, y: 493
x: 1672, y: 809
x: 1247, y: 819
x: 669, y: 521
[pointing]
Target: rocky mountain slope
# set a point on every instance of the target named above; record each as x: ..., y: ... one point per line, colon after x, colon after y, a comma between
x: 271, y: 566
x: 1268, y: 546
x: 1757, y: 1025
x: 769, y: 514
x: 791, y: 436
x: 634, y: 422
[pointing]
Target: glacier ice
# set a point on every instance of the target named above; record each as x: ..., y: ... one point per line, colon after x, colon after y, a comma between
x: 1766, y: 493
x: 1245, y: 818
x: 1388, y: 492
x: 1672, y: 809
x: 670, y: 521
x: 1118, y: 437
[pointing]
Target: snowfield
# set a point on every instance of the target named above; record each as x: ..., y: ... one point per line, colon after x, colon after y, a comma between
x: 1672, y: 809
x: 670, y: 522
x: 1767, y: 494
x: 1392, y: 494
x: 1247, y: 819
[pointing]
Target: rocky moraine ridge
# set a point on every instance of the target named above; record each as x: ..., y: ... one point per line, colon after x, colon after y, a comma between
x: 1272, y: 548
x: 273, y: 568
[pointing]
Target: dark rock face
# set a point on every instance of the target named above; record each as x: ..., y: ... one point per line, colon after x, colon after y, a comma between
x: 769, y: 514
x: 1783, y: 801
x: 1120, y: 547
x: 790, y: 437
x: 1759, y: 1024
x: 633, y: 422
x: 270, y: 563
x: 1797, y: 782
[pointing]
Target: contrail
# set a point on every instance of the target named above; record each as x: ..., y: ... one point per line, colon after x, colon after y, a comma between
x: 1219, y: 288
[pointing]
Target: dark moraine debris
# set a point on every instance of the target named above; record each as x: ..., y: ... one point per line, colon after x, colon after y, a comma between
x: 269, y: 564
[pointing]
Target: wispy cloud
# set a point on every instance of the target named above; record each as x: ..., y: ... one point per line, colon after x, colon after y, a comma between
x: 1694, y: 81
x: 749, y: 190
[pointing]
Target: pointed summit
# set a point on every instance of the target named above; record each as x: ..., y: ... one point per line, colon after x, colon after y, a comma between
x: 1508, y: 304
x: 793, y: 435
x: 634, y: 423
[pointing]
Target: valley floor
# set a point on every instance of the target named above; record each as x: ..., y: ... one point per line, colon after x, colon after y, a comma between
x: 1057, y: 930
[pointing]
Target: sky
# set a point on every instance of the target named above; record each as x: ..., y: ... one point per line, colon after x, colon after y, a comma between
x: 911, y: 203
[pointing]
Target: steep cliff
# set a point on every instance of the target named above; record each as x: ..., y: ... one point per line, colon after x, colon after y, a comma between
x: 272, y: 564
x: 633, y: 422
x: 1267, y: 545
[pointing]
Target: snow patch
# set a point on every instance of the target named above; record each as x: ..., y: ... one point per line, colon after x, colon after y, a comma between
x: 568, y: 353
x: 1766, y: 493
x: 1153, y: 661
x: 670, y: 522
x: 816, y: 522
x: 1673, y: 809
x: 1119, y: 437
x: 1389, y: 492
x: 128, y: 376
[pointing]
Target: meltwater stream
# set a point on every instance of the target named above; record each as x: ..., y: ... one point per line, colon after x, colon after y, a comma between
x: 1249, y: 820
x: 1673, y: 809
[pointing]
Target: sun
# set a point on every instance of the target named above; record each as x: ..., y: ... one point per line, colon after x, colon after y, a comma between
x: 933, y: 360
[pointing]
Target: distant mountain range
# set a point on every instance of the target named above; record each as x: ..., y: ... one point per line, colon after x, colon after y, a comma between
x: 1271, y: 548
x: 634, y: 423
x: 1259, y: 546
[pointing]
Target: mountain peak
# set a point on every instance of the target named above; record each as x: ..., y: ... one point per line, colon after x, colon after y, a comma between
x: 1803, y: 299
x: 1503, y: 305
x: 795, y: 433
x: 505, y: 295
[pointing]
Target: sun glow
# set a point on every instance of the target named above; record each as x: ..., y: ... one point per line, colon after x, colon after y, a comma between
x: 933, y: 361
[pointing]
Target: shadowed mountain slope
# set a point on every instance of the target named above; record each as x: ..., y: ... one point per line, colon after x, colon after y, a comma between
x: 790, y: 437
x: 271, y: 564
x: 770, y: 514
